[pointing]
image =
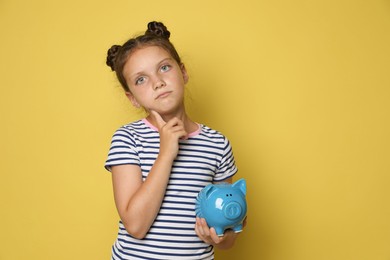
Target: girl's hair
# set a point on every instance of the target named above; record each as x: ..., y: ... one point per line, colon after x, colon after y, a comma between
x: 157, y: 34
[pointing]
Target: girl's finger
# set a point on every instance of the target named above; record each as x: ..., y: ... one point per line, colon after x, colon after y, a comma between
x: 213, y: 235
x: 205, y: 227
x: 175, y: 122
x: 199, y: 225
x: 159, y: 120
x: 197, y: 229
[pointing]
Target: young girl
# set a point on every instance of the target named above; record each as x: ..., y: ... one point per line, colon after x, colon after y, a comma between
x: 161, y: 162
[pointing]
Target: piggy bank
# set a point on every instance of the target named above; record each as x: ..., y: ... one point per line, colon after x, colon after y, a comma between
x: 223, y: 206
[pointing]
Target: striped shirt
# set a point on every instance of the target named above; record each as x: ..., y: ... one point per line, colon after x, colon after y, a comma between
x: 205, y: 157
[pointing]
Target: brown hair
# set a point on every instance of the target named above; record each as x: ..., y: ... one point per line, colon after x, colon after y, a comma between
x: 157, y: 34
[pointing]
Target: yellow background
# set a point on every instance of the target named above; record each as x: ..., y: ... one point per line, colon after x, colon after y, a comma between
x: 301, y: 89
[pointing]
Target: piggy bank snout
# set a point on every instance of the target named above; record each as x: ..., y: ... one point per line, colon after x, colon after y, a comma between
x: 233, y: 210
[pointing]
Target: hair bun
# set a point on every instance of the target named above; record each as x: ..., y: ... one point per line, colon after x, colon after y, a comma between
x: 158, y: 29
x: 111, y: 56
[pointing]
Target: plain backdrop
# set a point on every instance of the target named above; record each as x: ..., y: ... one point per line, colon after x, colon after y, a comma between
x: 301, y: 89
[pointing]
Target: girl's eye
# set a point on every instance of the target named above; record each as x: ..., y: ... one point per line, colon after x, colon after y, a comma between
x: 165, y: 68
x: 140, y: 80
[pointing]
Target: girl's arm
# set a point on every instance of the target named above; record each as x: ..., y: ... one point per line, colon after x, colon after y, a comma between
x: 209, y: 235
x: 138, y: 202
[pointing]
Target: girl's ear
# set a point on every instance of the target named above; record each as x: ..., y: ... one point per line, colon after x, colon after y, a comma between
x: 184, y: 72
x: 132, y: 99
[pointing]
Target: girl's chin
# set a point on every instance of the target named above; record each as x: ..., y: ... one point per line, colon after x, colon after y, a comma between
x: 167, y: 110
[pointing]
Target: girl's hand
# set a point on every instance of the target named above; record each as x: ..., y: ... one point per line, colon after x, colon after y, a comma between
x: 170, y: 133
x: 209, y: 235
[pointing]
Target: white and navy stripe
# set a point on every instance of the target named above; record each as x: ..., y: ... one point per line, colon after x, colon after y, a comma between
x: 205, y: 157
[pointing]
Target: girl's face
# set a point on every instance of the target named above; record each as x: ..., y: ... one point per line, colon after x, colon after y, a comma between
x: 155, y: 80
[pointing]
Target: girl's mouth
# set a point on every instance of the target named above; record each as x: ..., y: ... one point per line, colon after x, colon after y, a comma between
x: 163, y: 94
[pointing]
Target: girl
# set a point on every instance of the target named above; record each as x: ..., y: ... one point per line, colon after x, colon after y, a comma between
x: 160, y: 163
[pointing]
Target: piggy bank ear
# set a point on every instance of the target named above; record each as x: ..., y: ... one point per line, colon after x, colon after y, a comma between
x: 240, y: 184
x: 208, y: 189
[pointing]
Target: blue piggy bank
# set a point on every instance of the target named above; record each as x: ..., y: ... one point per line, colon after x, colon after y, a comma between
x: 223, y: 206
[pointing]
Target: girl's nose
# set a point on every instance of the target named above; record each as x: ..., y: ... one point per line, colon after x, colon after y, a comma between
x: 159, y: 84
